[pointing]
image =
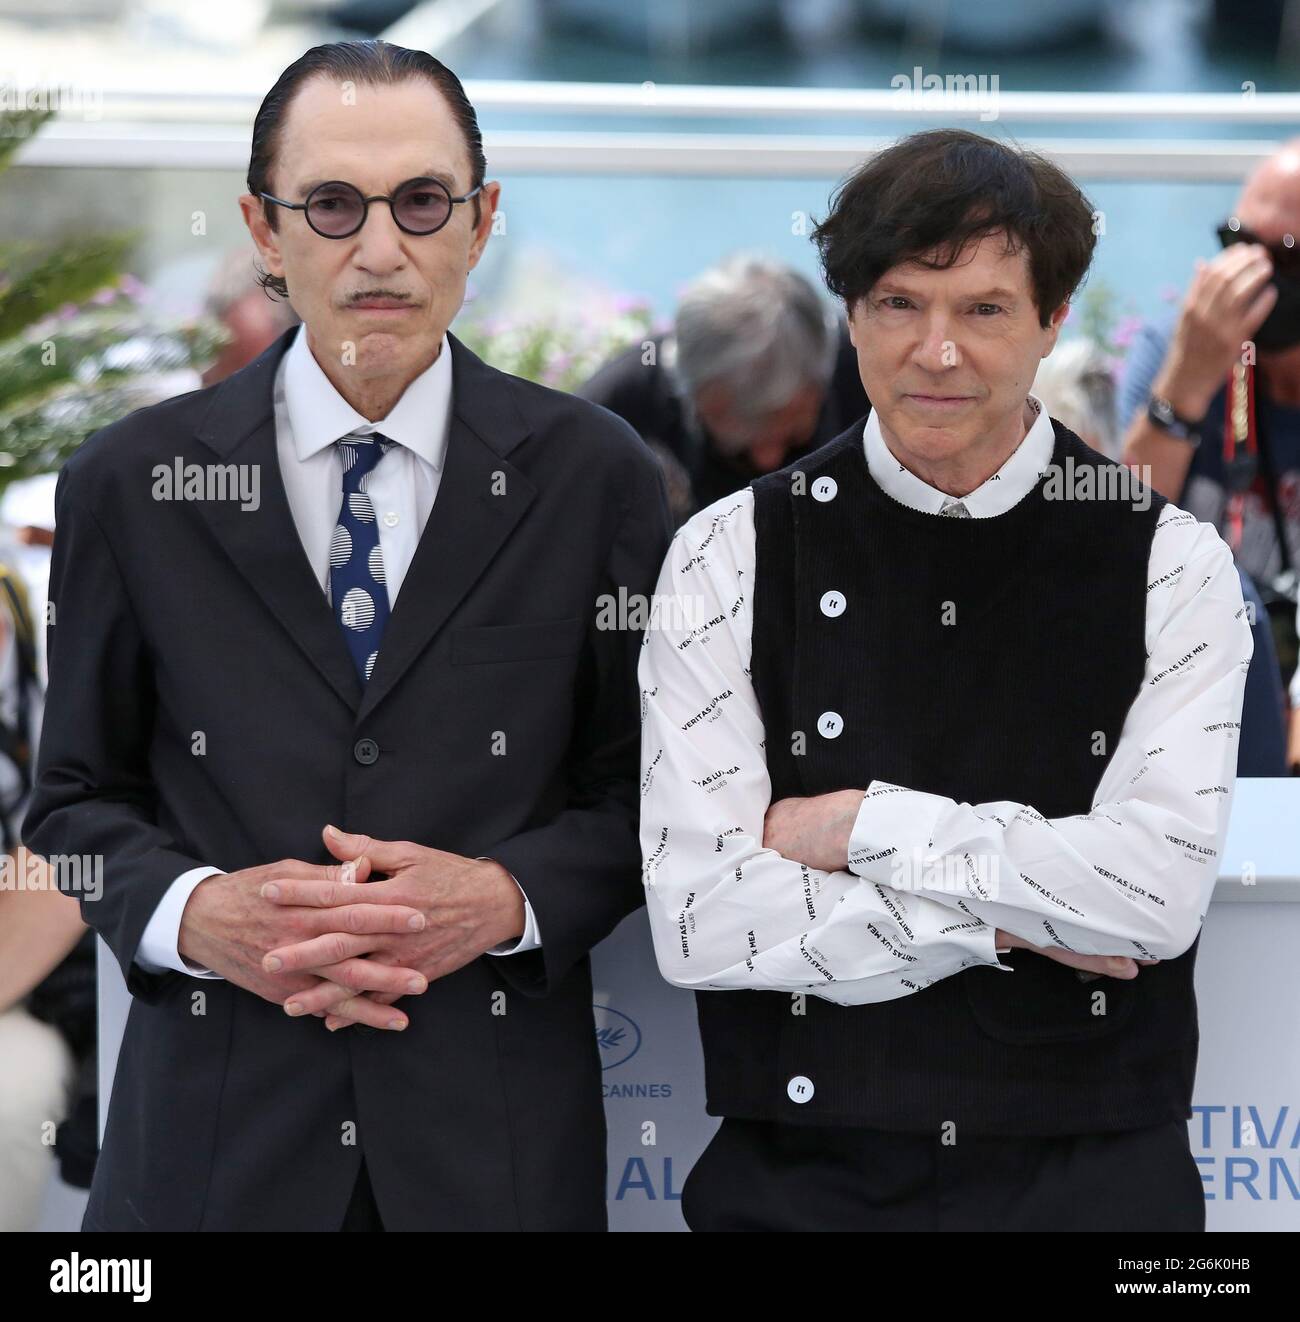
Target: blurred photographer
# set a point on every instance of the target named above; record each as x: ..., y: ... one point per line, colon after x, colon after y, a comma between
x: 1212, y: 402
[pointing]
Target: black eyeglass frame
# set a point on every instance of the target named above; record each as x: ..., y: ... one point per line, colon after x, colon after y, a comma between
x: 1285, y: 255
x: 379, y: 197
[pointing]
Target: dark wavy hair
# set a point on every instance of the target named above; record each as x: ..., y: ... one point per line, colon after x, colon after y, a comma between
x: 927, y: 196
x: 376, y: 63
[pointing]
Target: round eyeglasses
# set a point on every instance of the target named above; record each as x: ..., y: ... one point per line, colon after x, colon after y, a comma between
x: 337, y: 210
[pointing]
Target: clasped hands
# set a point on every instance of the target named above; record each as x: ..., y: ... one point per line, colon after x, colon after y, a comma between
x: 308, y: 937
x: 815, y: 831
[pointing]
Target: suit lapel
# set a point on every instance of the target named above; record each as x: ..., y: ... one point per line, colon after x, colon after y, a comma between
x: 263, y: 544
x: 481, y: 498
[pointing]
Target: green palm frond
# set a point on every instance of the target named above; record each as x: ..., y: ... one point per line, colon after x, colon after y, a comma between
x: 16, y: 126
x: 49, y: 280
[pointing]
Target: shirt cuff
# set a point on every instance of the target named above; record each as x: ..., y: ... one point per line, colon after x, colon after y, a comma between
x: 891, y: 844
x: 893, y: 834
x: 531, y: 938
x: 159, y: 948
x: 991, y: 949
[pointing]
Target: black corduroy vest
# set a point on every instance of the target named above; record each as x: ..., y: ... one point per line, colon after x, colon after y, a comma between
x: 1017, y: 691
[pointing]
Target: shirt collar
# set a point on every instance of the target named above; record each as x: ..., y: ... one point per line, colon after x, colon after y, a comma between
x: 996, y: 495
x: 319, y: 415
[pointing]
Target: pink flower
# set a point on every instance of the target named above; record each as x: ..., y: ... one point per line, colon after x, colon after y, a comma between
x: 1127, y: 328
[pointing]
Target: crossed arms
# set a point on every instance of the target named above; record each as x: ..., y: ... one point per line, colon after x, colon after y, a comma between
x: 809, y: 896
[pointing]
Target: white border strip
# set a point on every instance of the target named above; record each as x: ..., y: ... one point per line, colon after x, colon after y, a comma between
x: 195, y: 146
x: 679, y: 100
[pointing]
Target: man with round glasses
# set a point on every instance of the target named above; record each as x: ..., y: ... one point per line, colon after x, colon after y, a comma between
x: 355, y: 638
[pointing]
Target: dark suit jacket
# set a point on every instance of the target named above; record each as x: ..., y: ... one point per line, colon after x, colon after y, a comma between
x: 175, y: 618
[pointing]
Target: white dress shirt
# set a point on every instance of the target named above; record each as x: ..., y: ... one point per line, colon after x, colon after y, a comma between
x: 310, y: 416
x: 1134, y: 876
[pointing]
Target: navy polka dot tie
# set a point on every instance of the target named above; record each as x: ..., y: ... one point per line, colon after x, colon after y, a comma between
x: 357, y: 590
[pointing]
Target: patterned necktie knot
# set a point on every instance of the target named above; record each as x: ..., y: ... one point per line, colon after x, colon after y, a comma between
x: 360, y: 455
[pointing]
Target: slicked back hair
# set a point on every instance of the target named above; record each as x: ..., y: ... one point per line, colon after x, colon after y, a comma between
x: 375, y: 63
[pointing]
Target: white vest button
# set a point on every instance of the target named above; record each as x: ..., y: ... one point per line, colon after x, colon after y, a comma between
x: 829, y: 725
x: 799, y: 1089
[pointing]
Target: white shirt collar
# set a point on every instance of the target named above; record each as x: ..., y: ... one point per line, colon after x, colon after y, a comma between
x: 319, y: 415
x: 996, y: 495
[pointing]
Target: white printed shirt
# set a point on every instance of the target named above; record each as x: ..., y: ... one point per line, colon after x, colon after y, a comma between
x: 1133, y: 877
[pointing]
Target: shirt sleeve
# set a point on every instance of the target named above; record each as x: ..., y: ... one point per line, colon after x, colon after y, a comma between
x: 1142, y: 362
x: 159, y: 948
x: 725, y: 912
x: 1135, y: 875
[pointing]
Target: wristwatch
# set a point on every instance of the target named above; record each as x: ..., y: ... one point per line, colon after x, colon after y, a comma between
x: 1161, y: 413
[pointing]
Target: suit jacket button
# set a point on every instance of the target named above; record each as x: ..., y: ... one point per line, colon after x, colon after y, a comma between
x: 366, y: 751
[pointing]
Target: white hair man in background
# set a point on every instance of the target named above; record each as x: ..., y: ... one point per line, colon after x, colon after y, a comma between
x: 756, y: 371
x: 1076, y: 384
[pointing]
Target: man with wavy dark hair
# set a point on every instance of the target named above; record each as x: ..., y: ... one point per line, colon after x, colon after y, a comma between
x: 336, y: 620
x: 962, y: 689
